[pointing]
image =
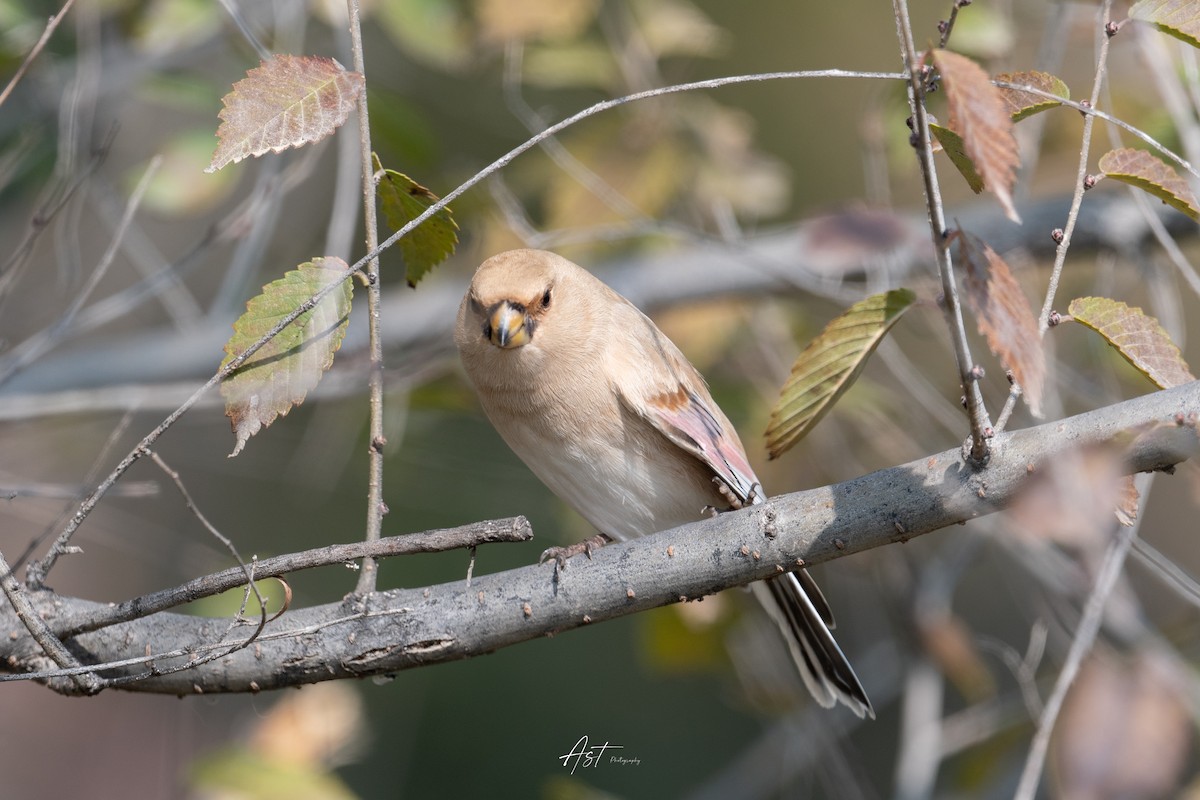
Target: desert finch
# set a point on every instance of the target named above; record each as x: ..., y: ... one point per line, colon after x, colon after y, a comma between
x: 615, y: 421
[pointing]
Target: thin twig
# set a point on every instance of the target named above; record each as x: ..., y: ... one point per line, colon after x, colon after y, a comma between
x: 972, y: 395
x: 1083, y: 108
x: 555, y: 149
x: 946, y: 27
x: 515, y: 529
x: 212, y: 529
x: 38, y: 46
x: 1064, y: 244
x: 375, y: 505
x: 114, y: 435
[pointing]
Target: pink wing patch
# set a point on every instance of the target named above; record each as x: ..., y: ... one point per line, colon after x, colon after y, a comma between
x: 685, y: 419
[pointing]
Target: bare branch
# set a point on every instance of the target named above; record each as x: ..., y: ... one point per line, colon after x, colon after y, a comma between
x: 38, y: 46
x: 400, y: 629
x: 515, y: 529
x: 972, y: 395
x: 375, y: 505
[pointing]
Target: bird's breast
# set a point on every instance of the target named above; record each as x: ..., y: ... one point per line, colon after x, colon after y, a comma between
x: 603, y: 460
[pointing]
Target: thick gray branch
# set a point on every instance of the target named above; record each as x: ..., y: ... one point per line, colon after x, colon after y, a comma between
x: 399, y: 629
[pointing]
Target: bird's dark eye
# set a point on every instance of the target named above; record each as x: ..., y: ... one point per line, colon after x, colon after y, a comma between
x: 546, y: 299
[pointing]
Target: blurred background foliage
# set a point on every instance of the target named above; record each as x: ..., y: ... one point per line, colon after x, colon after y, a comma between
x: 946, y: 631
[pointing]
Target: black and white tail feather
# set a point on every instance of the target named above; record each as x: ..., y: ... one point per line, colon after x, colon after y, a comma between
x: 795, y: 602
x: 797, y: 606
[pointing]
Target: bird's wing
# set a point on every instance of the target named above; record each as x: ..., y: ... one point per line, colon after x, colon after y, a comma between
x: 672, y: 396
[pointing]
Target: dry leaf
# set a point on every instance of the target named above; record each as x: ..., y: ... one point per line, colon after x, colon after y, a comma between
x: 1022, y: 104
x: 285, y: 102
x: 1004, y: 317
x: 979, y: 115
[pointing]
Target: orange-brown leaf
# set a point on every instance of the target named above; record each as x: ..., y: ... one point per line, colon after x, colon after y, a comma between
x: 1004, y: 317
x: 285, y: 102
x: 979, y: 115
x: 1136, y: 336
x: 1150, y: 174
x: 1021, y: 104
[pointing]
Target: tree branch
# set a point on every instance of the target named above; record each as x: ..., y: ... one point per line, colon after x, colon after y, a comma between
x: 400, y: 629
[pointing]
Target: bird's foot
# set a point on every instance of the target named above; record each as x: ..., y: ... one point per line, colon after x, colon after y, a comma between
x: 735, y: 503
x: 561, y: 554
x: 730, y: 496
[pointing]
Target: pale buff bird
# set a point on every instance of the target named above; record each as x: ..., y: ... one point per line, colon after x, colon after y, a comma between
x: 609, y: 414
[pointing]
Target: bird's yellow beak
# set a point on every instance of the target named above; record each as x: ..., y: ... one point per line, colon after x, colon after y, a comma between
x: 508, y: 325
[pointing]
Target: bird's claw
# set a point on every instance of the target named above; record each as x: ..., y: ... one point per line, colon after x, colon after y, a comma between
x: 561, y: 554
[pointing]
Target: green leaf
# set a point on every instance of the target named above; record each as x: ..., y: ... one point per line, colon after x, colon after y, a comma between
x: 1021, y: 104
x: 830, y: 365
x: 1178, y: 18
x: 952, y: 145
x: 403, y: 200
x: 281, y: 374
x: 1136, y: 336
x: 1150, y: 174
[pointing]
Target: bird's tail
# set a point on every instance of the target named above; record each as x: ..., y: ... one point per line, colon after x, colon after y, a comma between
x: 798, y: 607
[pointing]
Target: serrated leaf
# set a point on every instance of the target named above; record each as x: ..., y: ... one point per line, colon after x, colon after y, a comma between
x: 1004, y: 317
x: 1178, y: 18
x: 280, y: 375
x: 952, y: 146
x: 830, y: 365
x: 403, y: 200
x: 978, y: 114
x: 1150, y: 174
x: 1136, y: 336
x: 1021, y: 104
x: 285, y: 102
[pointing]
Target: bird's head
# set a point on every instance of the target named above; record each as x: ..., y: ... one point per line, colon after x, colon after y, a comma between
x: 526, y: 297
